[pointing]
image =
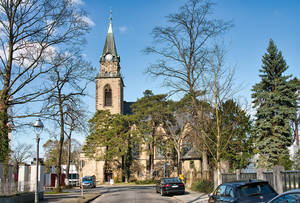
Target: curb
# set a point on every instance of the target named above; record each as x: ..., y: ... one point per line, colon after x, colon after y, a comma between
x: 93, y: 198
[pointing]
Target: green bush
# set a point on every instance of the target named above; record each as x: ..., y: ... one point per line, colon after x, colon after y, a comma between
x: 145, y: 182
x: 204, y: 186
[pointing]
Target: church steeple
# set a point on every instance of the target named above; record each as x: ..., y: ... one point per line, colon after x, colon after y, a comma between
x: 109, y: 83
x: 110, y: 51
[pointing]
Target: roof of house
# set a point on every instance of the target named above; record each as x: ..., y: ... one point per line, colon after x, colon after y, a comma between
x: 193, y: 154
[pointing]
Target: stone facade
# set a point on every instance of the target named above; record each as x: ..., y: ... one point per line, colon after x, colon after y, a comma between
x: 116, y: 85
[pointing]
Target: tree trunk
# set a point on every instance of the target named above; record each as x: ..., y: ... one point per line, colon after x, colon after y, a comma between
x: 152, y: 150
x: 68, y: 162
x: 219, y: 178
x: 61, y: 143
x: 218, y: 132
x: 4, y: 100
x: 205, y: 167
x: 296, y: 130
x: 4, y: 140
x: 179, y: 162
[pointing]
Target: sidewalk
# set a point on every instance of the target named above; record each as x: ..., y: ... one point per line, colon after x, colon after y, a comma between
x: 192, y: 197
x: 69, y: 197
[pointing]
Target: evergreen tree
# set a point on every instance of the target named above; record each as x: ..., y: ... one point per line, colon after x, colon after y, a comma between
x: 235, y: 128
x: 112, y: 134
x: 274, y: 98
x: 151, y: 112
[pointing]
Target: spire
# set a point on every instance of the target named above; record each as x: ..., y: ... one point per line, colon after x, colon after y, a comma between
x: 110, y: 23
x: 110, y: 46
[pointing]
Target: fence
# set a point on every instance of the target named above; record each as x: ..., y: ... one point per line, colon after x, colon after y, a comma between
x: 291, y: 180
x: 229, y: 177
x: 8, y: 187
x: 25, y: 181
x: 279, y: 179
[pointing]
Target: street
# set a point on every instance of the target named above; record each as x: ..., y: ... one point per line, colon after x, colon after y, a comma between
x: 124, y: 193
x: 129, y: 194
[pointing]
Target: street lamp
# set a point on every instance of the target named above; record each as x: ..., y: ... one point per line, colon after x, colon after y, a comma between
x: 38, y: 128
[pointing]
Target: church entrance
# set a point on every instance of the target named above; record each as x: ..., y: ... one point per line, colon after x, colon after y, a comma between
x: 107, y: 172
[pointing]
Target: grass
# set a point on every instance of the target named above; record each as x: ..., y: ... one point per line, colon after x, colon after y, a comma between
x: 54, y: 192
x: 137, y: 182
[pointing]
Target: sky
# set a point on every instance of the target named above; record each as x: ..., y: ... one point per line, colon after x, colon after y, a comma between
x: 255, y: 23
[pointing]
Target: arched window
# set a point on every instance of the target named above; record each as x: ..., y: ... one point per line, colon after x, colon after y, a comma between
x: 107, y: 96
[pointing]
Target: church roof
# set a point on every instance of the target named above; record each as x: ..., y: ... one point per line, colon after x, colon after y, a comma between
x: 127, y: 110
x: 110, y: 46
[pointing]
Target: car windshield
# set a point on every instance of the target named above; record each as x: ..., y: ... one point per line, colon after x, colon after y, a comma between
x: 255, y: 189
x: 87, y: 179
x: 171, y: 180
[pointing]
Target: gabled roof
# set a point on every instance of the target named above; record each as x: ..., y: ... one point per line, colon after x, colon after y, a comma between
x: 193, y: 154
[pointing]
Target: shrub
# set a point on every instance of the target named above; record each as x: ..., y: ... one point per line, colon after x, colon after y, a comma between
x: 145, y: 182
x: 204, y: 186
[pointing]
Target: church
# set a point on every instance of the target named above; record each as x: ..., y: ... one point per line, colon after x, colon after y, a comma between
x: 110, y: 96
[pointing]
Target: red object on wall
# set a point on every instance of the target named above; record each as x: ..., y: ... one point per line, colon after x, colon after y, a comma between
x: 53, y: 180
x: 16, y: 177
x: 62, y: 179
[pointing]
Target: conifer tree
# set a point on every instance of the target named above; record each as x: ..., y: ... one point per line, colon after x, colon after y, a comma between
x: 274, y: 99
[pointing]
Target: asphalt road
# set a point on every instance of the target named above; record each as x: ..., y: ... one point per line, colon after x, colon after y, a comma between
x: 131, y: 194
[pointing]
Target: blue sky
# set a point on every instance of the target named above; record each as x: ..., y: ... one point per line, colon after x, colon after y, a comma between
x: 255, y: 22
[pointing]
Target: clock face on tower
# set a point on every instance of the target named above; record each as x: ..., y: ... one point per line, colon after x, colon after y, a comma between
x: 108, y: 57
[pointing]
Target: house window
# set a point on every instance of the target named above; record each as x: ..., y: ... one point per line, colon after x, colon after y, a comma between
x: 107, y: 96
x: 192, y: 164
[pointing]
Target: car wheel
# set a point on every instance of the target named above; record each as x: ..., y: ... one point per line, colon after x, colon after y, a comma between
x: 182, y: 193
x: 162, y: 192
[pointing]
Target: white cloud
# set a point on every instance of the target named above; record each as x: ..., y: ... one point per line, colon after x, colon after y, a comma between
x: 123, y: 29
x: 76, y: 2
x: 28, y: 52
x: 89, y: 21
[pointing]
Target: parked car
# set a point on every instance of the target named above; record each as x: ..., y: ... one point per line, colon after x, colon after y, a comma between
x: 89, y: 182
x: 251, y: 191
x: 291, y: 196
x: 170, y: 186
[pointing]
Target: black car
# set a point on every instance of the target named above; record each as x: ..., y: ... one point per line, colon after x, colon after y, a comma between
x: 251, y: 191
x: 170, y: 186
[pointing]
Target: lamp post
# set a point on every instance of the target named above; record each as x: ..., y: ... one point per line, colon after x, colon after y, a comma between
x: 38, y: 128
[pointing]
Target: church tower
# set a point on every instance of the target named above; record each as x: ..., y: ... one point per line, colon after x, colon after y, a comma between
x: 109, y: 83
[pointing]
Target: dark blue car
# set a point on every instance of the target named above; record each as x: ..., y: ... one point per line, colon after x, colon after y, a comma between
x: 251, y: 191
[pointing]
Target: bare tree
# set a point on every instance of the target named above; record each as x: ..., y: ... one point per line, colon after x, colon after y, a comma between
x: 21, y: 152
x: 69, y: 81
x: 75, y: 122
x: 183, y: 47
x: 32, y: 32
x: 219, y: 82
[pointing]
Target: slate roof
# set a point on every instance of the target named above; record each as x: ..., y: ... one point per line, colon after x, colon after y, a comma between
x: 110, y: 45
x: 127, y: 108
